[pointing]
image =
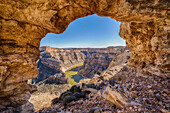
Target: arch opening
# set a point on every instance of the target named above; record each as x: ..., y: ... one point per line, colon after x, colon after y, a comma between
x: 91, y: 31
x: 65, y: 58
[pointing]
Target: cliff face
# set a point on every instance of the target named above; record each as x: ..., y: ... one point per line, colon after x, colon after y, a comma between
x: 116, y: 65
x: 66, y: 57
x: 145, y: 27
x: 98, y: 60
x: 95, y: 63
x: 53, y: 63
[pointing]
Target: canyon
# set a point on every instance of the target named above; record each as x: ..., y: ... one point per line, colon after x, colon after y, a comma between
x: 99, y: 60
x: 57, y: 68
x: 145, y: 27
x: 54, y: 62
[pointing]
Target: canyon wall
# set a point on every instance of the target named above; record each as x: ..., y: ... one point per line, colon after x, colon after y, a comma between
x: 66, y: 57
x: 53, y: 62
x: 116, y: 65
x: 98, y: 60
x: 145, y: 27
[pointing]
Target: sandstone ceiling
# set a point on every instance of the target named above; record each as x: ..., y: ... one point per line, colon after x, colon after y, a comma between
x: 23, y: 23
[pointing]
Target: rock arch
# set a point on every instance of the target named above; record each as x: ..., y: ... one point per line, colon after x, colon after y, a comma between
x: 145, y: 27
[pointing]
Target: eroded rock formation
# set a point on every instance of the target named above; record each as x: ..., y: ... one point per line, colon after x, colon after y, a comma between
x: 98, y: 60
x: 53, y: 62
x: 121, y: 59
x: 66, y: 57
x: 145, y: 26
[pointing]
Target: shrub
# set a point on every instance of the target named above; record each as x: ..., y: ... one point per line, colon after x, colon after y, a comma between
x: 119, y: 78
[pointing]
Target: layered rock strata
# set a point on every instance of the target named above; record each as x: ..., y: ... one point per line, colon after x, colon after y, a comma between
x: 53, y: 63
x: 65, y: 57
x: 95, y: 64
x: 18, y: 56
x: 145, y: 27
x: 115, y: 66
x: 99, y: 60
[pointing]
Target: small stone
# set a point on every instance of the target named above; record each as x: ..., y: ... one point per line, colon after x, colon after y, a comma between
x: 115, y: 86
x: 96, y: 110
x: 135, y: 107
x: 164, y: 111
x: 166, y: 91
x: 130, y: 108
x: 149, y: 87
x: 133, y: 94
x: 139, y: 109
x: 150, y: 91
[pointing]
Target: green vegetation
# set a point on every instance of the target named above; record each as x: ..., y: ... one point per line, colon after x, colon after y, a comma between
x: 69, y: 73
x: 119, y: 78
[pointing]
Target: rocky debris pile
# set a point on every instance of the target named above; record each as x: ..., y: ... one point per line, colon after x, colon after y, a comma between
x: 88, y: 94
x: 45, y: 93
x: 96, y: 110
x: 92, y: 103
x: 133, y: 94
x: 73, y: 94
x: 152, y: 92
x: 82, y: 106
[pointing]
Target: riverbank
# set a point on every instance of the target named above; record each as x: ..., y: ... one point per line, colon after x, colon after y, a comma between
x: 72, y: 74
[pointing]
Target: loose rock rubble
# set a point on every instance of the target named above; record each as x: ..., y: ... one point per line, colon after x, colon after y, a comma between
x: 150, y: 91
x: 82, y: 106
x: 149, y: 95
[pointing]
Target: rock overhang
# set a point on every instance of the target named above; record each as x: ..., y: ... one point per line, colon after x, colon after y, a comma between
x: 145, y: 27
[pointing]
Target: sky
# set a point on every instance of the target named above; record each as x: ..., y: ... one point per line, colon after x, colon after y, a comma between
x: 88, y: 32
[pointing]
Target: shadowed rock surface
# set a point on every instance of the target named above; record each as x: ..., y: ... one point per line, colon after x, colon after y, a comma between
x: 53, y: 63
x: 97, y: 61
x: 65, y: 57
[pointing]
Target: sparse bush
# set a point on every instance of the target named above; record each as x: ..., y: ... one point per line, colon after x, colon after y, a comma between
x: 119, y: 78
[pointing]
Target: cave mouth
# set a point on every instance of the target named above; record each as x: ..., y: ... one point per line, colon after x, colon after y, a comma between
x: 84, y: 34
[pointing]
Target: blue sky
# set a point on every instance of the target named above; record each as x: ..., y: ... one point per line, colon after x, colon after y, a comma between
x: 90, y: 31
